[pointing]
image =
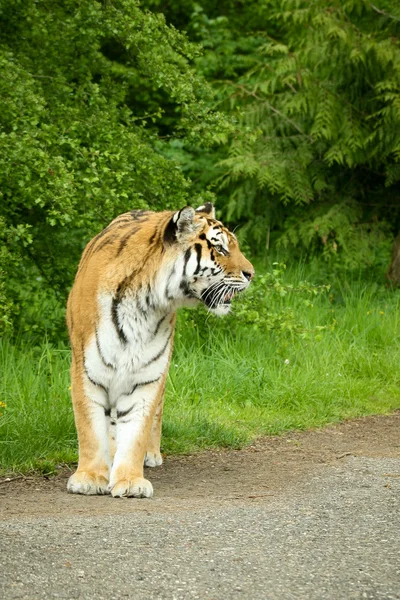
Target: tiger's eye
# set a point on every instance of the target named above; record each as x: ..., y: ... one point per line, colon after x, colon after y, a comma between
x: 221, y: 250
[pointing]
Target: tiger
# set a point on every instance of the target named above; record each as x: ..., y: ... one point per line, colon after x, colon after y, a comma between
x: 132, y: 278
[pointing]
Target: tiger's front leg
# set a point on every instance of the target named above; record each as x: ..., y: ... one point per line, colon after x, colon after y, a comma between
x: 90, y: 403
x: 135, y: 417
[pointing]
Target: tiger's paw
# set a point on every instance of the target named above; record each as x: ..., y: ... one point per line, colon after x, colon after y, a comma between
x: 153, y: 459
x: 132, y: 488
x: 90, y: 484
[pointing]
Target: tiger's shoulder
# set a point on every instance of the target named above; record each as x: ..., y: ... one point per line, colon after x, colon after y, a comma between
x: 145, y: 225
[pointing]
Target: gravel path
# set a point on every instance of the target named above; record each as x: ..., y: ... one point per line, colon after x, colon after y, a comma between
x: 333, y: 532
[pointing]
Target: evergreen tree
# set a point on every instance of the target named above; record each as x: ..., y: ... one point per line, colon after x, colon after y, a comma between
x: 314, y: 162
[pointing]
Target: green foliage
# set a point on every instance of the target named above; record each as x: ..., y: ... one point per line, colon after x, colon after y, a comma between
x: 337, y: 232
x: 105, y: 106
x: 270, y: 304
x: 75, y: 148
x: 320, y: 131
x: 273, y: 303
x: 314, y: 90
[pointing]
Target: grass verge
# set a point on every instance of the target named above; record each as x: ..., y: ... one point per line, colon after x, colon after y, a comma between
x: 228, y: 382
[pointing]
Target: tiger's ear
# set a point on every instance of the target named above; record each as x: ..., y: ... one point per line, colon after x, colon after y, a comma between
x: 207, y: 209
x: 181, y: 226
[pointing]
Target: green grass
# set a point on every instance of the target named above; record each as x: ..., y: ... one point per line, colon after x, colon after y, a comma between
x: 228, y: 382
x: 36, y: 426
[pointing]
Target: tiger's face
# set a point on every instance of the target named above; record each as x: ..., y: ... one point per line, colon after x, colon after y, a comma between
x: 213, y: 268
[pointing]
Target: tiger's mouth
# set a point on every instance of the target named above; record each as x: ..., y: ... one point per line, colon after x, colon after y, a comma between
x: 228, y: 297
x: 219, y: 295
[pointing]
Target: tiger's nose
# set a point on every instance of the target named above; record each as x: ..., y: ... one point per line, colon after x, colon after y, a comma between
x: 248, y: 275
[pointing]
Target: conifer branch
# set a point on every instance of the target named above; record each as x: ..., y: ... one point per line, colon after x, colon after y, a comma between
x: 272, y: 108
x: 383, y: 12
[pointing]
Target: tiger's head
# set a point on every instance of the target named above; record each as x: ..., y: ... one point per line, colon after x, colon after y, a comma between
x: 212, y: 268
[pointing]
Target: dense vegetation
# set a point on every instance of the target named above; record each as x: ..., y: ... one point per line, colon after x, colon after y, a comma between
x: 77, y: 82
x: 313, y: 163
x: 286, y: 114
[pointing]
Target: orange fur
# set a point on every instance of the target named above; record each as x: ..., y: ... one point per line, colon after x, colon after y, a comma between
x: 121, y: 318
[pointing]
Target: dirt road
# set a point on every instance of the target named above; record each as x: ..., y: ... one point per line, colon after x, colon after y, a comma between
x: 311, y: 515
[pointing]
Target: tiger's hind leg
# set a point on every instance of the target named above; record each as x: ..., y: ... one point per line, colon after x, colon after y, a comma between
x: 92, y: 423
x: 153, y: 456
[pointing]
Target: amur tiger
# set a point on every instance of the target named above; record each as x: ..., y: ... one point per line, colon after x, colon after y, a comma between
x: 132, y: 278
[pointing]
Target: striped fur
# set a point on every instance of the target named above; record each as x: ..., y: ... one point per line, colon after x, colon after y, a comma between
x: 132, y: 278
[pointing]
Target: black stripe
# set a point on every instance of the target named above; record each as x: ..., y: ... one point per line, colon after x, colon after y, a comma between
x: 139, y: 215
x: 125, y: 284
x: 105, y: 242
x: 149, y: 297
x: 114, y: 317
x: 157, y: 356
x: 103, y: 232
x: 148, y: 382
x: 140, y: 308
x: 115, y: 223
x: 90, y: 247
x: 158, y: 325
x: 198, y: 248
x: 138, y: 385
x: 126, y: 238
x: 103, y: 360
x: 151, y: 240
x: 123, y: 413
x: 107, y: 412
x: 122, y: 222
x: 122, y: 219
x: 188, y: 254
x: 96, y: 383
x: 156, y: 236
x: 170, y: 276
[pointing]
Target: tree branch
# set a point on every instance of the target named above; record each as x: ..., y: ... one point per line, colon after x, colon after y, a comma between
x: 383, y: 12
x: 272, y: 108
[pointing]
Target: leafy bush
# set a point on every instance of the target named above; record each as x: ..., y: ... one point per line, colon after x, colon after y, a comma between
x: 272, y: 304
x: 74, y: 149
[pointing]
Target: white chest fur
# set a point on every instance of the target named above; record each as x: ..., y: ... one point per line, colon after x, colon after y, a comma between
x: 131, y: 347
